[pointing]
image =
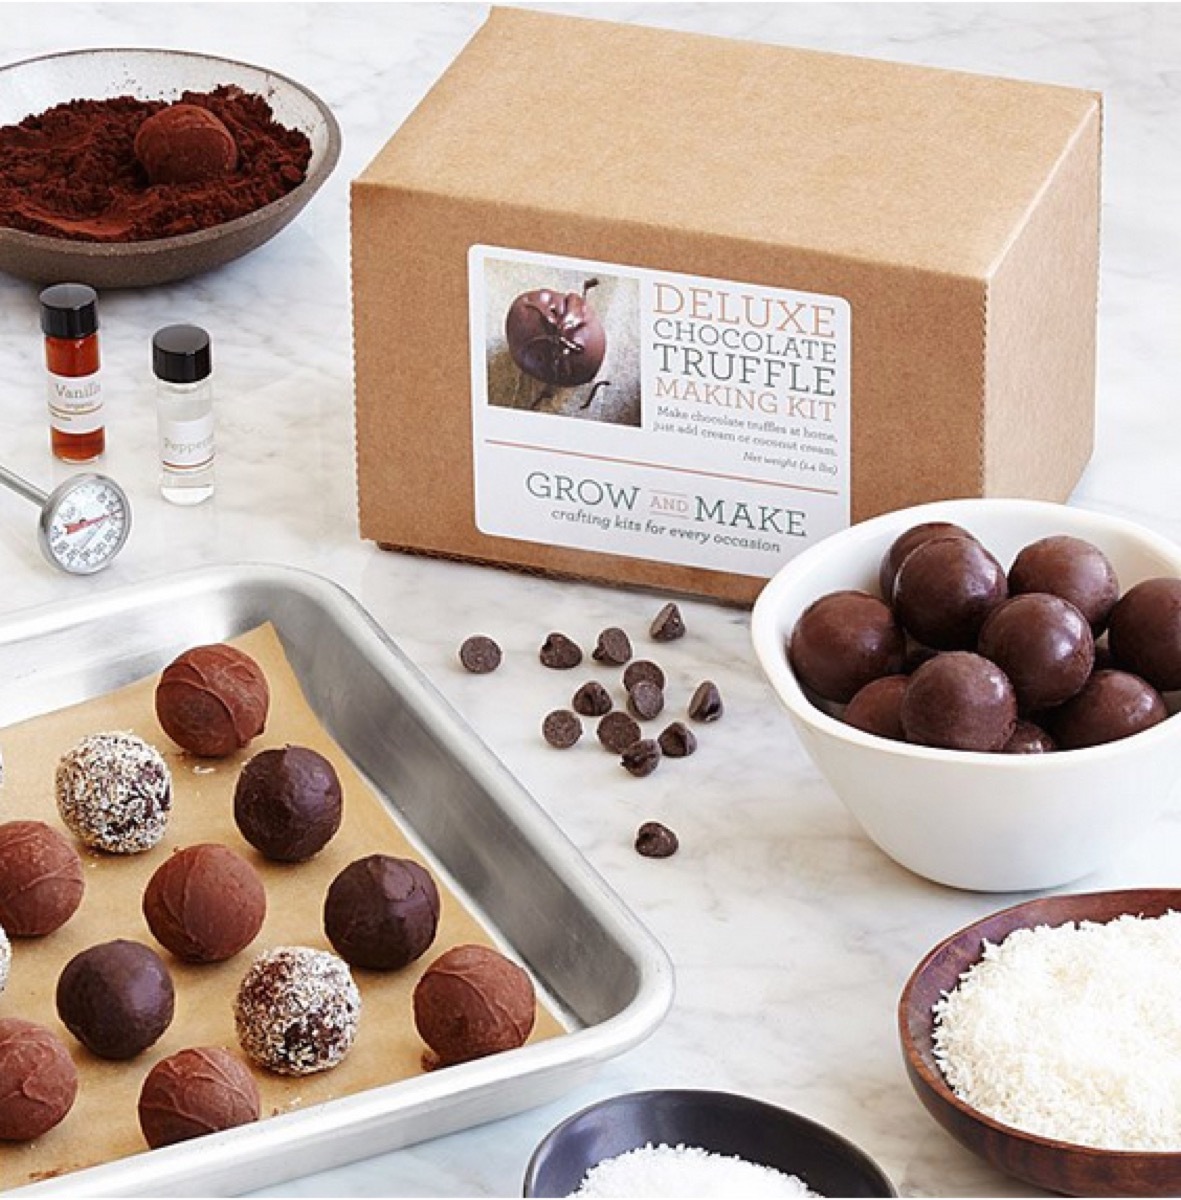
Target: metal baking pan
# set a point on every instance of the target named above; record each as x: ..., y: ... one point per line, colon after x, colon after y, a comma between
x: 609, y: 980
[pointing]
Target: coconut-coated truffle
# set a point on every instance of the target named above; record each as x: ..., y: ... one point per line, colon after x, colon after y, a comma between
x: 288, y: 803
x: 38, y: 1080
x: 41, y: 881
x: 213, y: 700
x: 185, y: 143
x: 5, y: 958
x: 195, y: 1092
x: 205, y: 903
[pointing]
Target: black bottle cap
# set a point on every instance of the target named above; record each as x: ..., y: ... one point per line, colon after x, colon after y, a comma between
x: 181, y: 354
x: 69, y: 310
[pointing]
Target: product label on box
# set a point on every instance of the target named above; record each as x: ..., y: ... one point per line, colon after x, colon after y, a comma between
x: 655, y: 415
x: 75, y: 402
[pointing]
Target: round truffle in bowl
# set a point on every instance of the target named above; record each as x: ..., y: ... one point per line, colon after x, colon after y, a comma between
x: 974, y: 819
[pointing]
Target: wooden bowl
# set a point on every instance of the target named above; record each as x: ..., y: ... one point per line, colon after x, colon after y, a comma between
x: 1058, y: 1166
x: 36, y: 84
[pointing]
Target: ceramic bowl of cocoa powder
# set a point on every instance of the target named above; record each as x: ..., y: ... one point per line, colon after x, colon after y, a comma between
x: 76, y: 203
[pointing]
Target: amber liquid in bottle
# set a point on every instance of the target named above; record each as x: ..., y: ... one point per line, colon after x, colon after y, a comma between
x: 75, y: 358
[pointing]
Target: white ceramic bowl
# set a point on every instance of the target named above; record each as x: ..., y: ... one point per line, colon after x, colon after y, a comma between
x: 986, y: 822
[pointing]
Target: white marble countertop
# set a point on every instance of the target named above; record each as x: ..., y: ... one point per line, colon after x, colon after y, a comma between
x: 791, y: 934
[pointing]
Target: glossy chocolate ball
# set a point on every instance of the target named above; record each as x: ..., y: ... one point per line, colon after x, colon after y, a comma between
x: 41, y: 882
x: 382, y: 912
x: 213, y: 700
x: 944, y: 591
x: 205, y: 903
x: 556, y: 338
x: 117, y: 998
x: 1145, y: 632
x: 912, y: 539
x: 877, y: 707
x: 1043, y: 644
x: 38, y: 1080
x: 288, y: 803
x: 185, y: 143
x: 1112, y: 705
x: 1029, y: 738
x: 959, y: 701
x: 842, y: 642
x: 195, y: 1092
x: 1071, y: 568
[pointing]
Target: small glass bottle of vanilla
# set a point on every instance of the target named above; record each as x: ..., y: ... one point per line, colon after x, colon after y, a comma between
x: 183, y: 365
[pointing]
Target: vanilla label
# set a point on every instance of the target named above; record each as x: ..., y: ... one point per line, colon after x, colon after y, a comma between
x: 75, y: 403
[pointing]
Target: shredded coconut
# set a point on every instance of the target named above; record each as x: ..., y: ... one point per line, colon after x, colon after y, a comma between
x: 1072, y: 1032
x: 5, y: 958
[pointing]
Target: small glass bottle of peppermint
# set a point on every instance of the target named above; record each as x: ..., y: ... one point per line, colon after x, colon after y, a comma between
x: 183, y: 364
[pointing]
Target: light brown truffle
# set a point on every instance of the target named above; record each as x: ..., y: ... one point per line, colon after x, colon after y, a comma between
x: 185, y: 143
x: 195, y: 1092
x: 41, y: 882
x: 212, y: 700
x: 38, y: 1077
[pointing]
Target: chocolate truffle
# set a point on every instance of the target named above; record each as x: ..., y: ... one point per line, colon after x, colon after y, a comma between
x: 1043, y: 644
x: 114, y: 792
x: 1112, y: 705
x: 554, y: 337
x: 297, y: 1010
x: 288, y: 803
x: 1029, y: 738
x: 212, y: 700
x: 912, y: 539
x: 205, y: 903
x: 41, y: 880
x: 195, y: 1092
x: 1145, y: 632
x: 381, y: 912
x: 877, y: 707
x: 116, y: 998
x: 38, y: 1080
x: 185, y: 143
x: 843, y: 641
x: 1071, y: 568
x: 959, y: 701
x: 473, y: 1001
x: 944, y: 591
x: 5, y: 958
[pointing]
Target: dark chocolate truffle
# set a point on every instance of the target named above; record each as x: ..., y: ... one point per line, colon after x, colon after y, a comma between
x: 1145, y: 632
x: 116, y: 998
x: 555, y: 337
x: 1071, y: 568
x: 205, y: 903
x: 877, y: 707
x: 114, y: 793
x: 1112, y: 705
x: 288, y: 803
x: 185, y: 143
x: 1029, y: 738
x: 195, y: 1092
x: 912, y: 539
x: 381, y: 912
x: 1043, y: 644
x: 842, y: 642
x: 38, y: 1080
x: 41, y: 881
x: 473, y: 1001
x: 944, y: 591
x: 959, y: 701
x: 297, y: 1010
x: 212, y: 700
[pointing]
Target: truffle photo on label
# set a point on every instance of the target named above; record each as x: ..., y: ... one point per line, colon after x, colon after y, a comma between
x: 288, y: 803
x: 38, y: 1080
x: 195, y: 1092
x: 41, y: 882
x: 213, y: 700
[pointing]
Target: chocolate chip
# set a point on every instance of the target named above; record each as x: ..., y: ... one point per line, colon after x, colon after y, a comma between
x: 641, y: 758
x: 668, y: 624
x: 706, y: 704
x: 614, y: 647
x: 479, y: 655
x: 677, y: 741
x: 561, y: 728
x: 645, y: 700
x: 592, y: 700
x: 617, y: 731
x: 559, y: 652
x: 642, y: 669
x: 654, y: 840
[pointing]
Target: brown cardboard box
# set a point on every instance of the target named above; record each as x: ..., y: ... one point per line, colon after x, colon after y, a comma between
x: 829, y: 287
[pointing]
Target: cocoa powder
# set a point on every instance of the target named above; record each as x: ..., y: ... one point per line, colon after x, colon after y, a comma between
x: 71, y: 171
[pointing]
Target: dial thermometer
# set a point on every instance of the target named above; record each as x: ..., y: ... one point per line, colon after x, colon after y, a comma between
x: 84, y: 522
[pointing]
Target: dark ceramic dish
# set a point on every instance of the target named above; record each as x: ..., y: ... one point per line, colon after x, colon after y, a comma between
x: 1057, y: 1166
x: 719, y: 1122
x: 36, y: 84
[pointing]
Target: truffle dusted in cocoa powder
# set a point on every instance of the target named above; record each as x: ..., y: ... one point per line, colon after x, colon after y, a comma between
x: 288, y: 803
x: 213, y: 700
x: 41, y: 882
x: 195, y: 1092
x: 185, y: 143
x: 843, y: 641
x: 205, y: 903
x: 38, y: 1080
x: 959, y: 701
x: 471, y: 1002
